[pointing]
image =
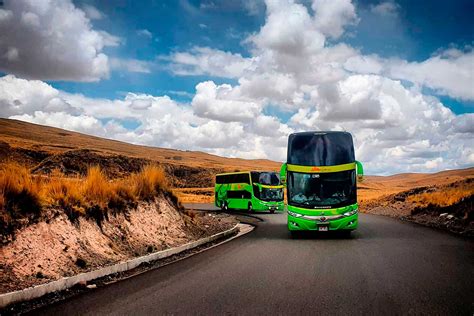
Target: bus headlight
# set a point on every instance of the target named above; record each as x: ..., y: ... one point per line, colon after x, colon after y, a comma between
x: 294, y: 214
x: 350, y: 213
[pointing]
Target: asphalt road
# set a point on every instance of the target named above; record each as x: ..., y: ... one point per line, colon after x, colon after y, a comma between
x: 386, y: 267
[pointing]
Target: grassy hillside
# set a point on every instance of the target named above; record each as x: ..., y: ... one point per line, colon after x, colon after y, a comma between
x: 37, y: 141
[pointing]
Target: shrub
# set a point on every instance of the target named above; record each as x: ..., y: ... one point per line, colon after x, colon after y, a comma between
x: 96, y: 189
x: 66, y: 194
x: 149, y: 182
x: 19, y: 192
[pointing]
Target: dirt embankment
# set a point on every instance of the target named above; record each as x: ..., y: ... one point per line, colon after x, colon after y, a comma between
x: 449, y: 206
x: 58, y: 247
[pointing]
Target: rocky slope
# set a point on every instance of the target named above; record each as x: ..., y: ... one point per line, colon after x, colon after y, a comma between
x: 58, y: 247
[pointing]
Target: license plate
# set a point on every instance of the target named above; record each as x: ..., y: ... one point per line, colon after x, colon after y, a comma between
x: 323, y: 228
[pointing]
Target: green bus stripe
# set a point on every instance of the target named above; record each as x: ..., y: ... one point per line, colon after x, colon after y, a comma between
x: 321, y: 169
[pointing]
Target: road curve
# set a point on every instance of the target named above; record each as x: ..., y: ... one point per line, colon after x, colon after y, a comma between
x: 386, y: 267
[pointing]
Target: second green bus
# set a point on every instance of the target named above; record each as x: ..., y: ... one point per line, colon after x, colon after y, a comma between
x: 250, y: 190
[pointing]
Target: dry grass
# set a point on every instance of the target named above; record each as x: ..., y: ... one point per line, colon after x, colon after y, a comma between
x: 148, y: 182
x: 23, y: 195
x: 445, y: 197
x: 195, y: 195
x: 18, y: 190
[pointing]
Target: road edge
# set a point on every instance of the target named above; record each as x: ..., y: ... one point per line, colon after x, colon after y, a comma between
x: 64, y: 283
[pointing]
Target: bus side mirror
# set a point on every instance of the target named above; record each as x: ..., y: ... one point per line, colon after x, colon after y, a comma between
x: 283, y: 174
x: 360, y: 171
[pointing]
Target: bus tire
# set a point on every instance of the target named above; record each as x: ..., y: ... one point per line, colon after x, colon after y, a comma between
x: 250, y: 207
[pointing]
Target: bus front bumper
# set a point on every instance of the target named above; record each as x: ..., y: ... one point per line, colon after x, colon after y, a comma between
x: 268, y: 206
x: 306, y: 223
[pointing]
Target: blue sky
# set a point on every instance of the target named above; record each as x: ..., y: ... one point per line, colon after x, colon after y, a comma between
x: 411, y: 34
x: 178, y: 25
x: 234, y: 78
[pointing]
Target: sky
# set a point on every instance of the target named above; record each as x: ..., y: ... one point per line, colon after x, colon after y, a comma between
x: 235, y: 78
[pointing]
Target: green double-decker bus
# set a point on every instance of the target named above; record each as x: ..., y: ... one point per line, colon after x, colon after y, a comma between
x: 321, y: 180
x: 250, y: 190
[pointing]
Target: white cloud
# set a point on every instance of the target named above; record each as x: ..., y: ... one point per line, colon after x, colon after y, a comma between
x: 288, y: 30
x: 79, y: 123
x: 386, y: 8
x: 205, y: 60
x: 92, y: 12
x: 131, y: 65
x: 364, y: 64
x: 109, y: 39
x: 333, y: 15
x: 57, y: 41
x: 145, y: 33
x: 20, y: 96
x: 222, y: 103
x: 450, y: 73
x: 389, y: 122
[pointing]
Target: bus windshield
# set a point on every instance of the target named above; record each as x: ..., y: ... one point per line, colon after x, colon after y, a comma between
x: 320, y: 149
x: 312, y: 190
x: 268, y: 178
x: 271, y: 194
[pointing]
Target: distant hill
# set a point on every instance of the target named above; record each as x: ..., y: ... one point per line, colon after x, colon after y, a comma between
x: 19, y: 134
x: 376, y: 186
x: 46, y: 148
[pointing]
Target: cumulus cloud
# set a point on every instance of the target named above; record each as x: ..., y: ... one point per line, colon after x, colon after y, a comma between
x: 222, y: 103
x: 208, y: 61
x: 336, y: 87
x: 289, y: 30
x: 20, y: 96
x: 79, y: 123
x: 332, y: 16
x: 450, y: 73
x: 57, y: 41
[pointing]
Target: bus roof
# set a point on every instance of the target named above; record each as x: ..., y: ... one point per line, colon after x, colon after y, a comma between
x: 320, y: 148
x: 320, y: 133
x: 227, y: 173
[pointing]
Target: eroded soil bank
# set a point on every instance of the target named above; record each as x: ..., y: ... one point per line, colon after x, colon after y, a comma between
x: 457, y: 218
x: 57, y: 247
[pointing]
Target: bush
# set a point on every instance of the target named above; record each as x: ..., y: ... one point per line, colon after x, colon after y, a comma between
x: 149, y: 182
x: 96, y: 189
x: 19, y: 192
